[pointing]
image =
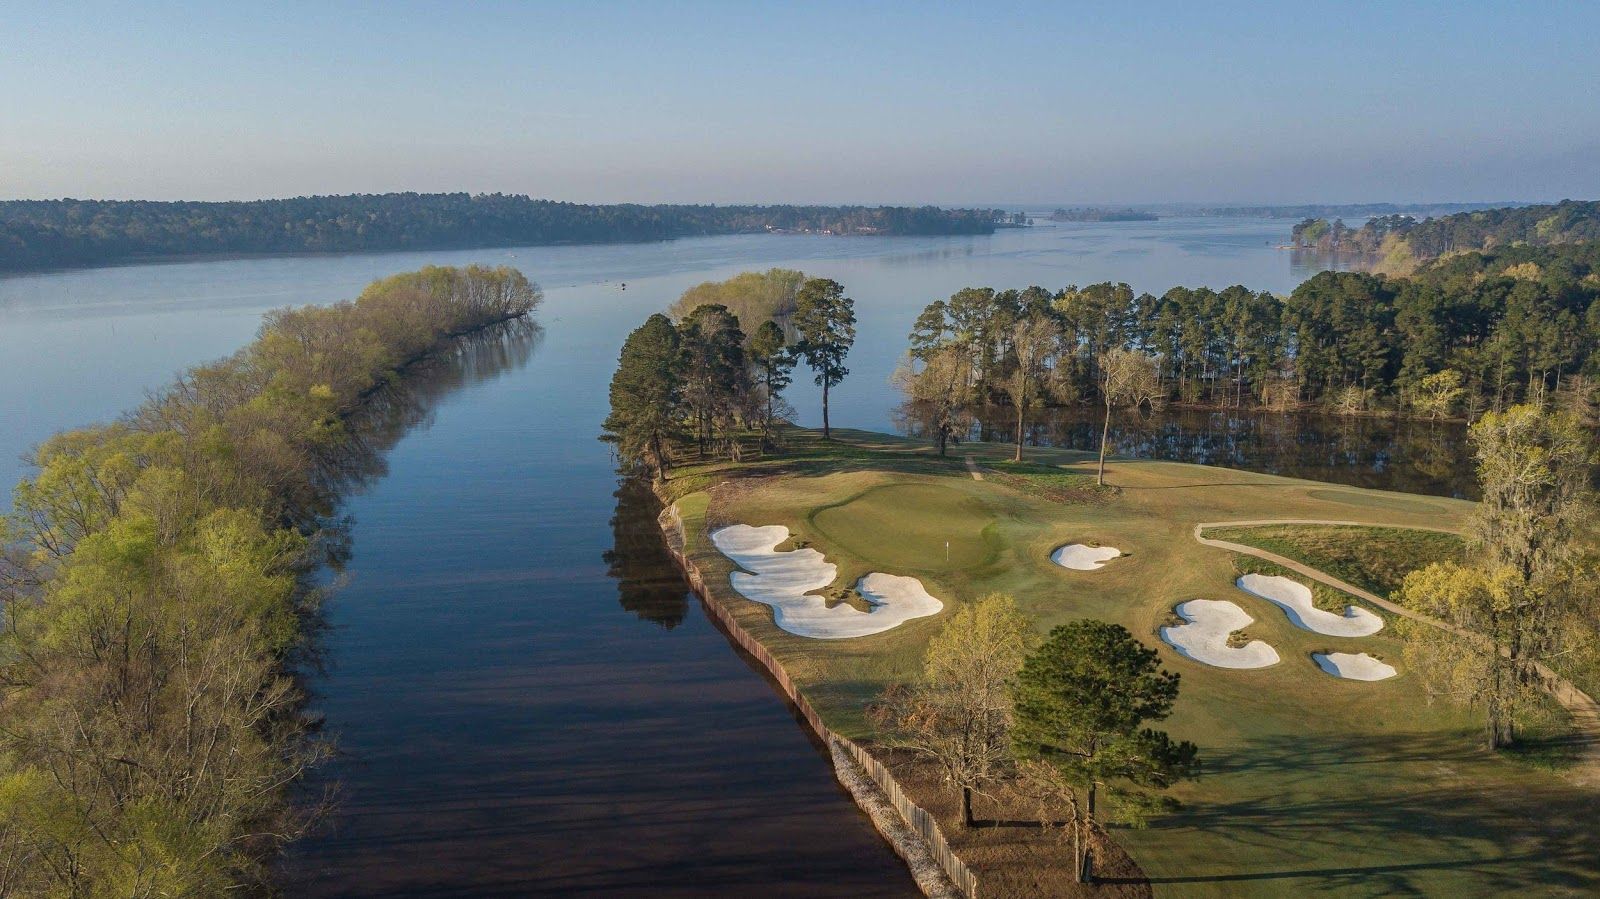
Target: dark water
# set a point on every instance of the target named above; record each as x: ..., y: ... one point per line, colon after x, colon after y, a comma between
x: 1382, y: 453
x: 526, y: 697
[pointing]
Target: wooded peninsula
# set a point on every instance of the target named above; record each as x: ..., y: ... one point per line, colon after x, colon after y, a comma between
x: 158, y: 585
x: 46, y: 234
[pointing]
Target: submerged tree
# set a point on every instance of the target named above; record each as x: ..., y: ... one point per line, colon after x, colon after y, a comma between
x: 645, y: 392
x: 826, y: 321
x: 958, y: 713
x: 1081, y: 700
x: 1529, y: 590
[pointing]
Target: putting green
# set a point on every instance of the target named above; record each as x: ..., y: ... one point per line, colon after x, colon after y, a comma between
x: 905, y: 527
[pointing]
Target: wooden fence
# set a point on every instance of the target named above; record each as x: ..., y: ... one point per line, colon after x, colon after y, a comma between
x: 914, y: 815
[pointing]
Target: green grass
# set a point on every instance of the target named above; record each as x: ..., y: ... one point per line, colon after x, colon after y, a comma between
x: 1313, y: 785
x: 950, y: 530
x: 1373, y: 558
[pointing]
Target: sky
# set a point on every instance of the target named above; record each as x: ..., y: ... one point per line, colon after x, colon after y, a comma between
x: 854, y: 102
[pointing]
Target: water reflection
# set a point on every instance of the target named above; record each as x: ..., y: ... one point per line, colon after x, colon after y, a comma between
x: 409, y: 402
x: 1388, y: 454
x: 648, y: 582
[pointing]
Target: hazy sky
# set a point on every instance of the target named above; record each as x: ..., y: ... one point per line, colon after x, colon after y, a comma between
x: 804, y: 102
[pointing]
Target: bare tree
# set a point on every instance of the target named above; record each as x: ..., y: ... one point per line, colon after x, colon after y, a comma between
x: 959, y: 712
x: 1127, y: 378
x: 939, y: 394
x: 1033, y: 340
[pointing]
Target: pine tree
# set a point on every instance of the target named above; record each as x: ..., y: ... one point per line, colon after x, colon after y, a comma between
x: 826, y: 321
x: 773, y: 363
x: 646, y: 391
x: 1080, y: 703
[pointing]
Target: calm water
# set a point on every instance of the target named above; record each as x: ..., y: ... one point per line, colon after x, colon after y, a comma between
x: 527, y: 699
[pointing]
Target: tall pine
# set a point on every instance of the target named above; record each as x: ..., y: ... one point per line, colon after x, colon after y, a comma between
x: 645, y: 393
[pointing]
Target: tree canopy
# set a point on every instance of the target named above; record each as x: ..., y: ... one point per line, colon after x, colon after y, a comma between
x: 155, y: 579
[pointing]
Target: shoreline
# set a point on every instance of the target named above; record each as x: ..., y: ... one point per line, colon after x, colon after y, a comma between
x: 908, y: 829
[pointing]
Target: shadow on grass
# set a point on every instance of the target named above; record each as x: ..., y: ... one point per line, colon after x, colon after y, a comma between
x: 1413, y: 805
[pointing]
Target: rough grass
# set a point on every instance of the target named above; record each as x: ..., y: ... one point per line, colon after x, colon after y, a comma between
x: 1373, y: 558
x: 1313, y: 785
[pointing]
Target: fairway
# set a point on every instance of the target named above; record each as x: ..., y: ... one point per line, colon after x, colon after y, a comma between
x: 911, y: 527
x: 1314, y: 784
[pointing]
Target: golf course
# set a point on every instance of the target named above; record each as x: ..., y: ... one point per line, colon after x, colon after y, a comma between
x: 1326, y: 769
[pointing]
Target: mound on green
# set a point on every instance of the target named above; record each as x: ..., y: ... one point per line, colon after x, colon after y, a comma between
x: 910, y: 527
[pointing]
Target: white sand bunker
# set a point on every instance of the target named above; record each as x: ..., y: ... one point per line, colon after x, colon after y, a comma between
x: 1081, y: 557
x: 784, y: 581
x: 1205, y: 637
x: 1353, y: 665
x: 1295, y: 600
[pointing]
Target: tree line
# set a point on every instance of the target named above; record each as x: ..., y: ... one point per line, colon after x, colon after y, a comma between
x: 158, y: 594
x: 40, y: 234
x: 1398, y: 244
x: 703, y: 380
x: 1474, y: 332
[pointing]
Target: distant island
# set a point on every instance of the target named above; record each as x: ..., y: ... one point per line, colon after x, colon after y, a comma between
x: 1399, y: 244
x: 1096, y: 214
x: 45, y: 234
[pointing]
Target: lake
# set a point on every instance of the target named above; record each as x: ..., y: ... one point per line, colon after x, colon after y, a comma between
x: 527, y: 699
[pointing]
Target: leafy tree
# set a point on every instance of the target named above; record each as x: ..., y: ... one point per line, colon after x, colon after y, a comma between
x: 645, y: 393
x: 773, y: 362
x: 1529, y: 587
x: 1437, y: 394
x: 825, y: 320
x: 958, y: 713
x: 1081, y: 700
x: 154, y: 586
x: 754, y: 298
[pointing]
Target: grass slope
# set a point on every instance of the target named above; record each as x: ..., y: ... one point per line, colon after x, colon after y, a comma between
x: 1373, y: 558
x: 1313, y: 785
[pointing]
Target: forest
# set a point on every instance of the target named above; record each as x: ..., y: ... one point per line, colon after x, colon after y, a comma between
x: 43, y: 234
x: 158, y: 581
x: 1400, y: 244
x: 1469, y: 333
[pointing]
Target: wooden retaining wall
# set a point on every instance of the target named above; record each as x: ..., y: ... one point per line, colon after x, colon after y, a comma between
x: 916, y: 817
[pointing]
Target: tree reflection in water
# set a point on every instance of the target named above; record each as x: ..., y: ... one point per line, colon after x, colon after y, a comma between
x: 648, y: 582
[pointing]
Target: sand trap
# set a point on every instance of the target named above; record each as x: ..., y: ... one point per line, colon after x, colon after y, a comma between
x: 1079, y: 557
x: 1295, y: 600
x: 1205, y: 637
x: 784, y: 580
x: 1353, y: 665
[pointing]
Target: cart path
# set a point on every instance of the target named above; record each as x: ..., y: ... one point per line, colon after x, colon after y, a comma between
x: 1581, y: 706
x: 973, y: 467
